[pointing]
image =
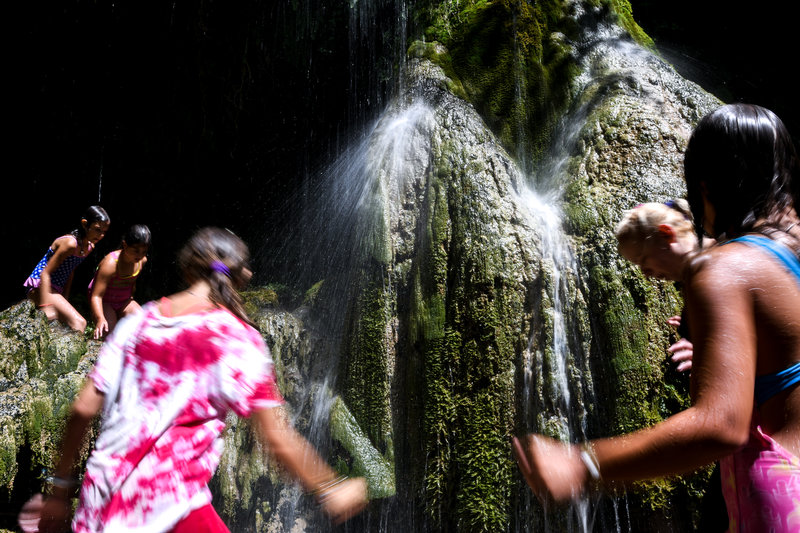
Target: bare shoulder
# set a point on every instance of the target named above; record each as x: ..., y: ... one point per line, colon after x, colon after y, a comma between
x: 736, y: 265
x: 65, y: 243
x: 108, y: 264
x: 721, y: 265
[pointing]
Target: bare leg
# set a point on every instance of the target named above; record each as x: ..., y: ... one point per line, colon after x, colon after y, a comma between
x: 130, y: 309
x: 111, y: 316
x: 59, y: 309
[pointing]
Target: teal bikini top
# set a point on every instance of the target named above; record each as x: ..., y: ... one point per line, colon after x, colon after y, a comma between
x: 769, y: 385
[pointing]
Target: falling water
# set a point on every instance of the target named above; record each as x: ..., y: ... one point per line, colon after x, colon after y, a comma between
x: 558, y: 388
x: 350, y: 220
x: 365, y: 180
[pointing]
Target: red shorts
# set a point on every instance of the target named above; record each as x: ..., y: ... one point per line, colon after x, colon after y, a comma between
x: 203, y: 520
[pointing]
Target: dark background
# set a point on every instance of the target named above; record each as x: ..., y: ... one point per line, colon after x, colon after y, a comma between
x: 185, y: 114
x: 740, y: 55
x: 176, y: 115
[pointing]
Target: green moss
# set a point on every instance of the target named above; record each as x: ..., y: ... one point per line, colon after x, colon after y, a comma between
x: 8, y: 454
x: 438, y: 54
x: 44, y: 366
x: 513, y: 64
x: 311, y: 295
x: 624, y: 13
x: 240, y: 484
x: 366, y: 386
x: 367, y: 461
x: 465, y: 322
x: 259, y: 298
x: 484, y: 493
x: 24, y: 335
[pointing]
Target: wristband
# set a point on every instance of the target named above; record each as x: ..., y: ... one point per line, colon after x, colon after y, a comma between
x: 326, y: 488
x: 61, y: 482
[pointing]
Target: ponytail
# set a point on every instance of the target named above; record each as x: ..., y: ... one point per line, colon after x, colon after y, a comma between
x: 220, y: 258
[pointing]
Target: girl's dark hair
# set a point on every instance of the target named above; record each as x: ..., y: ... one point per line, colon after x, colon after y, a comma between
x: 745, y: 158
x: 93, y: 214
x: 137, y: 234
x: 200, y: 259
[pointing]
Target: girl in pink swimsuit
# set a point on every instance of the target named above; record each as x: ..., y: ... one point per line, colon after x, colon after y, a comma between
x: 49, y: 283
x: 743, y: 180
x: 165, y: 381
x: 111, y: 289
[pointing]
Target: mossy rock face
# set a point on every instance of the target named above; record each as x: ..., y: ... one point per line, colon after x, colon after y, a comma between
x: 43, y: 367
x: 512, y: 60
x: 436, y: 330
x: 635, y: 116
x: 516, y: 60
x: 23, y: 334
x: 366, y: 460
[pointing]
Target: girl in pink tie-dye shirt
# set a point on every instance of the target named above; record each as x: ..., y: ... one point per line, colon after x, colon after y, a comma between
x: 165, y: 380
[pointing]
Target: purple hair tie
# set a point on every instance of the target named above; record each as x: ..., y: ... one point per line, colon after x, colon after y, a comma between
x: 219, y: 266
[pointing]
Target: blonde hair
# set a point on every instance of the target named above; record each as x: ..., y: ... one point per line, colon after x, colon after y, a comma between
x: 642, y: 222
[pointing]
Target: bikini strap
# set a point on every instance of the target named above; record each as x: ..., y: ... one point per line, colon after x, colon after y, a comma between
x: 778, y: 250
x: 769, y: 385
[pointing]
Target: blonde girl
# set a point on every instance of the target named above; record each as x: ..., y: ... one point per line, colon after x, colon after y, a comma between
x: 660, y: 238
x: 657, y: 237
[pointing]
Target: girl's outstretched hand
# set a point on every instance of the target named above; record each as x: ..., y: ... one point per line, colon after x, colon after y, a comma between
x: 50, y: 515
x: 100, y: 329
x: 550, y: 467
x: 347, y: 500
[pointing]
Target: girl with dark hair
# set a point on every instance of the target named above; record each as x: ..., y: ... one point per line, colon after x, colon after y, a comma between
x: 111, y: 289
x: 165, y: 380
x: 49, y: 283
x: 742, y: 299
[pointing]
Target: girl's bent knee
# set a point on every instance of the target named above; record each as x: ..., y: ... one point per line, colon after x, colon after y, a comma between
x: 78, y: 323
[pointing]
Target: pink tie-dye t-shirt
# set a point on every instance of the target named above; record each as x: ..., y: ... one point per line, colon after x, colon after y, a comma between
x: 168, y: 383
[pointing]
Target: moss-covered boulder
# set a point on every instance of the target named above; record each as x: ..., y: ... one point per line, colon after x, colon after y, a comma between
x: 629, y: 125
x: 42, y: 368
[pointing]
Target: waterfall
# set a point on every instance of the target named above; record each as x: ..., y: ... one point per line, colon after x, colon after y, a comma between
x: 558, y: 393
x: 557, y: 385
x: 348, y: 226
x: 363, y: 235
x: 436, y: 283
x: 557, y: 380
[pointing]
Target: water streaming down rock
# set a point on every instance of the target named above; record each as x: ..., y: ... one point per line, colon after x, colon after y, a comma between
x: 443, y: 271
